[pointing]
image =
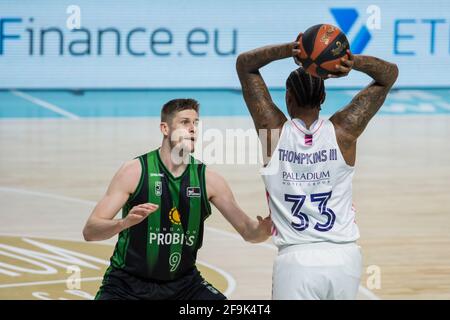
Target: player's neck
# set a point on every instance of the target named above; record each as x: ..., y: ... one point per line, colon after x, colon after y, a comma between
x: 308, y: 117
x: 175, y: 161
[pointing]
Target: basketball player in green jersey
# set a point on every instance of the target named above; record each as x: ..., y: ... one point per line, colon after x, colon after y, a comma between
x: 165, y: 197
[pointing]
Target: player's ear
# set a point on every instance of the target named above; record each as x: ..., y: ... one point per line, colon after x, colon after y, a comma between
x: 164, y: 127
x: 288, y: 97
x: 323, y: 97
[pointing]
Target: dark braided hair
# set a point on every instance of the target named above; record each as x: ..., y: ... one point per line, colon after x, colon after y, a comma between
x: 308, y: 91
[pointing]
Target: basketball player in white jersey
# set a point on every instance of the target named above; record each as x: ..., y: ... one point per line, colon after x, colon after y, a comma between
x: 308, y: 169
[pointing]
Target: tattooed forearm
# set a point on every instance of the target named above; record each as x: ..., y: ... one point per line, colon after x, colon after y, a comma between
x: 266, y: 115
x: 353, y: 119
x: 252, y: 60
x: 383, y: 72
x: 264, y: 112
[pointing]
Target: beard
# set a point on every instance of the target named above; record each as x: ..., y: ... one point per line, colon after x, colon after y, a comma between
x: 181, y: 149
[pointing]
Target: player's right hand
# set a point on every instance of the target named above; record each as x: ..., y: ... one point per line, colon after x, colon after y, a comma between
x: 296, y: 51
x: 265, y: 224
x: 138, y: 213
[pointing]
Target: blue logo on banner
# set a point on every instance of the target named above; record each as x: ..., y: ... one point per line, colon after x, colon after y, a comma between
x: 346, y: 18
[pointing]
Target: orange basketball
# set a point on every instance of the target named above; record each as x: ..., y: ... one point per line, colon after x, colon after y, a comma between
x: 322, y: 46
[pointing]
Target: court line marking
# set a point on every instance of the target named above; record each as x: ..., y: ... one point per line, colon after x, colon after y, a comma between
x: 27, y: 284
x: 45, y: 104
x: 231, y: 282
x: 362, y: 290
x: 46, y: 195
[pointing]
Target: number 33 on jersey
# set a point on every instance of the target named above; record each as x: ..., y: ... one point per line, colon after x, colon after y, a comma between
x: 309, y: 187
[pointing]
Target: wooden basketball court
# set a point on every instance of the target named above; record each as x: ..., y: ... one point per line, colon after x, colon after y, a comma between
x: 54, y: 170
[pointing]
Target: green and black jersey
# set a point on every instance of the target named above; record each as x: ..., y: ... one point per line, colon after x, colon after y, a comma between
x: 164, y: 246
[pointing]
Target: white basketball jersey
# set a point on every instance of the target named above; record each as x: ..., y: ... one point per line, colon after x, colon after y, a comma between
x: 309, y: 187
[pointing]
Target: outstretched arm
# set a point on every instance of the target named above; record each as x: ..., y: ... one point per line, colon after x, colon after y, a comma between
x: 221, y: 196
x: 265, y: 114
x: 101, y: 224
x: 351, y: 121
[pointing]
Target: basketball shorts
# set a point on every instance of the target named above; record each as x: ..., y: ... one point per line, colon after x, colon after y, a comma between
x: 317, y: 271
x: 120, y: 285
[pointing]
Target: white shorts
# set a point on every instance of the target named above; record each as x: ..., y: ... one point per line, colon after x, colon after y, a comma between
x: 317, y: 271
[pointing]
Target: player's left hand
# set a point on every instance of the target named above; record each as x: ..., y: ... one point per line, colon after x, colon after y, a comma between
x: 345, y: 67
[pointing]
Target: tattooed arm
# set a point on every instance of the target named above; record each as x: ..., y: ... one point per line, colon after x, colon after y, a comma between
x: 351, y: 121
x: 263, y: 110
